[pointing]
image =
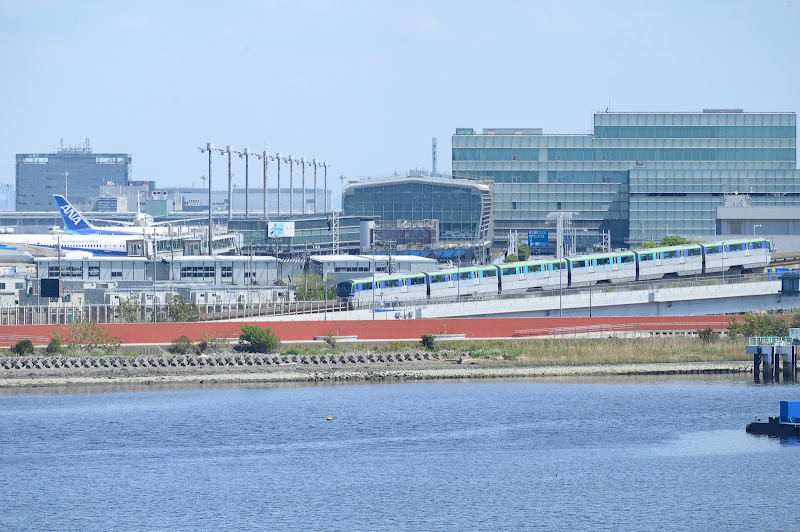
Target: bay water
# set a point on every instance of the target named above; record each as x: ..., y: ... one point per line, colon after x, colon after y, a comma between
x: 602, y: 454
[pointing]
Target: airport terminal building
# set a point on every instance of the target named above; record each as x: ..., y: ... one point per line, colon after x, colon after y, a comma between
x: 639, y: 176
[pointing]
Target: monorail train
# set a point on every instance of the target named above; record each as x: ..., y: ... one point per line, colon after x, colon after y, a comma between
x: 514, y: 277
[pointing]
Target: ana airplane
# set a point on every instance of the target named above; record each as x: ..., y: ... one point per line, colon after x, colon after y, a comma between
x: 76, y: 224
x: 72, y: 246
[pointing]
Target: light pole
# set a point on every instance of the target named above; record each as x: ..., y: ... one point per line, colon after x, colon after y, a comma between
x: 291, y: 160
x: 560, y: 307
x: 341, y: 178
x: 209, y: 147
x: 754, y: 229
x: 264, y: 156
x: 374, y: 288
x: 303, y: 183
x: 229, y: 151
x: 278, y: 158
x: 316, y: 195
x: 246, y: 153
x: 66, y: 185
x: 325, y: 165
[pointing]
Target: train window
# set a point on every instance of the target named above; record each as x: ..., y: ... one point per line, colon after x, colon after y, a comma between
x: 644, y: 257
x: 464, y: 275
x: 757, y: 245
x: 713, y: 250
x: 509, y: 271
x: 736, y: 247
x: 438, y: 278
x: 366, y: 286
x: 672, y: 254
x: 490, y: 273
x: 555, y: 266
x: 391, y: 283
x: 626, y: 259
x: 533, y: 268
x: 605, y: 261
x: 416, y: 281
x: 693, y: 252
x: 579, y: 264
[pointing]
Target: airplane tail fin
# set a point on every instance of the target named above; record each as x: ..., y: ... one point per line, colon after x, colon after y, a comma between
x: 74, y: 222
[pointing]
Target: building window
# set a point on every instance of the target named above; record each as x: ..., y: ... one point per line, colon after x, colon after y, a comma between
x: 514, y: 205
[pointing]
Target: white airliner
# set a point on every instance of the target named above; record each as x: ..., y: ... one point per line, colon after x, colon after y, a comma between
x: 76, y: 224
x: 72, y: 246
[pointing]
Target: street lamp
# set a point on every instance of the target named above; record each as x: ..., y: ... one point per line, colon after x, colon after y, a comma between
x: 560, y: 307
x: 303, y: 182
x: 278, y: 158
x: 291, y: 160
x: 316, y: 195
x: 246, y: 153
x: 66, y: 183
x: 264, y: 156
x: 209, y: 147
x: 325, y: 165
x: 754, y: 229
x: 229, y: 151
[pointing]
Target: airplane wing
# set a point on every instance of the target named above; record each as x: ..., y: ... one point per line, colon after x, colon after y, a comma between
x: 177, y: 222
x: 115, y: 222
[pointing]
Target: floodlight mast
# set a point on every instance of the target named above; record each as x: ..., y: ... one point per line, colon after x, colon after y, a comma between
x: 209, y: 148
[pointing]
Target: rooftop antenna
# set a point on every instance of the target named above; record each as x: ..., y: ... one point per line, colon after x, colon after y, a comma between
x: 433, y: 166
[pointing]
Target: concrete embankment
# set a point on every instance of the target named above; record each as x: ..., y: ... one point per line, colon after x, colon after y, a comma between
x: 230, y: 368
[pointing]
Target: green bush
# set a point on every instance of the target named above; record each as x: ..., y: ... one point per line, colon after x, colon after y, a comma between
x: 708, y: 334
x: 23, y: 348
x: 54, y: 347
x: 181, y: 346
x: 257, y: 340
x: 291, y: 351
x: 330, y: 340
x: 428, y: 341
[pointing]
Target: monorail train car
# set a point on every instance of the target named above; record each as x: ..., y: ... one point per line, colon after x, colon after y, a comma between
x: 738, y: 254
x: 655, y: 263
x: 530, y: 275
x: 467, y: 281
x: 393, y: 287
x: 618, y: 267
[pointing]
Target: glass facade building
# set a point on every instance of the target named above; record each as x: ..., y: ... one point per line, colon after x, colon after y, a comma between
x: 74, y: 172
x: 463, y: 208
x: 639, y: 175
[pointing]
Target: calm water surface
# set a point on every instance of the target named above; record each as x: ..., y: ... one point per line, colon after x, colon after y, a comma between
x: 594, y: 454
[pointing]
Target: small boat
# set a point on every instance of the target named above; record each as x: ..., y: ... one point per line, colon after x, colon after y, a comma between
x: 783, y: 426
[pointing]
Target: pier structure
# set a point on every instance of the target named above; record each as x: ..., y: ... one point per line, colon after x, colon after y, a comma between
x: 774, y: 355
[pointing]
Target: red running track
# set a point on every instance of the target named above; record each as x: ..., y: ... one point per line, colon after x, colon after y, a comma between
x: 299, y: 331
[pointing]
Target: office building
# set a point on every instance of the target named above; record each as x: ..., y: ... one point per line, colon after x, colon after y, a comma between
x: 75, y: 173
x: 639, y: 176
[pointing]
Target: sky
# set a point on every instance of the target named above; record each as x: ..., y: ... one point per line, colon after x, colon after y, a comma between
x: 366, y: 85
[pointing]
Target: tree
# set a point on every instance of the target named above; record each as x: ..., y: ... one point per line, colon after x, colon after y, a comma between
x: 674, y: 240
x: 257, y: 340
x: 181, y: 310
x: 54, y: 347
x: 86, y: 336
x: 511, y: 258
x: 129, y: 309
x: 310, y: 287
x: 523, y: 251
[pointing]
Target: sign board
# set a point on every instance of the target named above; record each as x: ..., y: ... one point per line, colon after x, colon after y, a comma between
x: 50, y: 288
x: 537, y: 238
x: 280, y: 229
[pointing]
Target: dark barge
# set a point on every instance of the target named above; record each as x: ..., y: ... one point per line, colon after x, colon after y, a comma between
x: 785, y: 426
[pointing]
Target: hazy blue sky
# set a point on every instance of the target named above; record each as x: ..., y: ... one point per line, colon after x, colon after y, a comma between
x: 366, y: 85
